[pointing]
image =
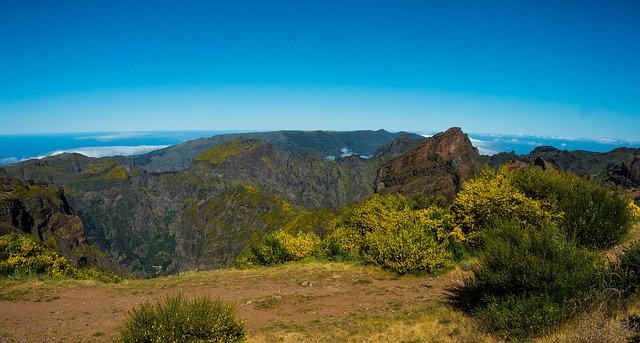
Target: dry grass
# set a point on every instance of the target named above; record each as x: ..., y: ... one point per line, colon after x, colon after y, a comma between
x: 296, y: 302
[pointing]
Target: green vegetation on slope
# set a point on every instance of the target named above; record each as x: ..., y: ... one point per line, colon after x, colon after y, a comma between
x: 540, y: 238
x: 222, y: 151
x: 24, y: 254
x: 536, y: 239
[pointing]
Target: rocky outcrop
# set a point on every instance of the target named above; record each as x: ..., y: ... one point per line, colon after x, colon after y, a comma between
x: 620, y: 166
x: 42, y: 210
x: 626, y: 174
x: 438, y: 166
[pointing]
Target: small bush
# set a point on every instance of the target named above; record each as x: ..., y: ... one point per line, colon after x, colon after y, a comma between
x: 406, y: 248
x: 297, y: 247
x: 280, y: 247
x: 177, y: 319
x: 625, y: 275
x: 268, y: 251
x: 594, y: 216
x: 527, y: 270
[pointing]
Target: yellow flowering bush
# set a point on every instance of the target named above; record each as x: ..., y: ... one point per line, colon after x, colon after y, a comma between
x: 22, y: 253
x: 296, y: 247
x: 25, y: 254
x: 492, y: 194
x: 635, y: 210
x: 279, y: 247
x: 387, y: 231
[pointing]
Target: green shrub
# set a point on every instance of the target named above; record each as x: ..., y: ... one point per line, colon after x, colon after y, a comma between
x: 594, y: 216
x: 625, y: 274
x: 521, y: 316
x: 268, y: 251
x: 532, y: 266
x: 177, y: 319
x: 390, y: 232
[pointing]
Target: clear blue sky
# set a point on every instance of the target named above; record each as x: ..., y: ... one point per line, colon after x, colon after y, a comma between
x: 566, y: 68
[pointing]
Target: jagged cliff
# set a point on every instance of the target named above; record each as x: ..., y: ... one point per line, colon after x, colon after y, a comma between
x: 438, y: 166
x: 42, y: 210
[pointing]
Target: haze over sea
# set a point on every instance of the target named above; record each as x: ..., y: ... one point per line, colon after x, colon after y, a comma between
x: 15, y: 148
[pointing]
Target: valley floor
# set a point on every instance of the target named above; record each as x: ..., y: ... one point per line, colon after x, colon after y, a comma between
x: 299, y: 302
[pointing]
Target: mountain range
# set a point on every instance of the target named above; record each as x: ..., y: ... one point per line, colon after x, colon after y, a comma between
x: 195, y: 205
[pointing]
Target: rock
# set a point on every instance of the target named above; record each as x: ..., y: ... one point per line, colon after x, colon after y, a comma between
x: 43, y: 211
x: 545, y: 165
x: 626, y: 174
x: 438, y: 166
x: 397, y: 147
x: 501, y: 158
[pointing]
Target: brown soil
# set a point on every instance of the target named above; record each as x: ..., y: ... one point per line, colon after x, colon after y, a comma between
x: 298, y: 294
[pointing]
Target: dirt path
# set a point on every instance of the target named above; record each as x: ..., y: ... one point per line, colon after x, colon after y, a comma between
x: 299, y: 294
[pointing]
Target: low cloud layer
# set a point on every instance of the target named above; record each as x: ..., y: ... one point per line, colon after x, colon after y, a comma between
x: 103, y: 151
x: 8, y: 160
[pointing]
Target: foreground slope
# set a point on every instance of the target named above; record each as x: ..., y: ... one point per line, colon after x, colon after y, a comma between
x: 316, y: 302
x: 311, y: 302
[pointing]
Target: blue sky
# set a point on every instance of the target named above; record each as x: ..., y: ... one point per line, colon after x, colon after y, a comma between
x: 560, y: 68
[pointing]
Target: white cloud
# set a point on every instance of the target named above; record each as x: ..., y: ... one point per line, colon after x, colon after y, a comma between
x: 103, y: 151
x: 484, y: 147
x: 98, y: 151
x: 114, y: 136
x: 346, y: 152
x: 8, y: 160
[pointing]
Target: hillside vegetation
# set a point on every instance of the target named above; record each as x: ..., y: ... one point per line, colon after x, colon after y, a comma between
x: 513, y: 253
x: 530, y: 274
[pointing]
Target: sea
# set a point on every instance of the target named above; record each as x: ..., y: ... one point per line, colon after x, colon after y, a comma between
x: 16, y: 148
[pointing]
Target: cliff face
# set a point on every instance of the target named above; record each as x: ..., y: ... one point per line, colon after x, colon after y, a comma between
x: 626, y: 174
x: 42, y: 210
x: 438, y: 166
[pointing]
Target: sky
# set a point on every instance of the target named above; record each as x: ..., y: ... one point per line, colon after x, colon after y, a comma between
x: 555, y: 68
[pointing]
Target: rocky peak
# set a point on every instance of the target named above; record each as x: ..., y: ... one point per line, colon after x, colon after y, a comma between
x: 438, y: 166
x: 42, y: 210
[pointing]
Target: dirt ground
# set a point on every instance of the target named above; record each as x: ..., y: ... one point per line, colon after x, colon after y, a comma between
x: 269, y: 299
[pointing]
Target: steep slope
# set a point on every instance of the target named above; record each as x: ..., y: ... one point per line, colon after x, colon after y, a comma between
x: 42, y: 210
x: 438, y: 166
x: 201, y: 216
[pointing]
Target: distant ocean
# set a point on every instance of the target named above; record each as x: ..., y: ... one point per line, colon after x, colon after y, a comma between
x: 15, y: 148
